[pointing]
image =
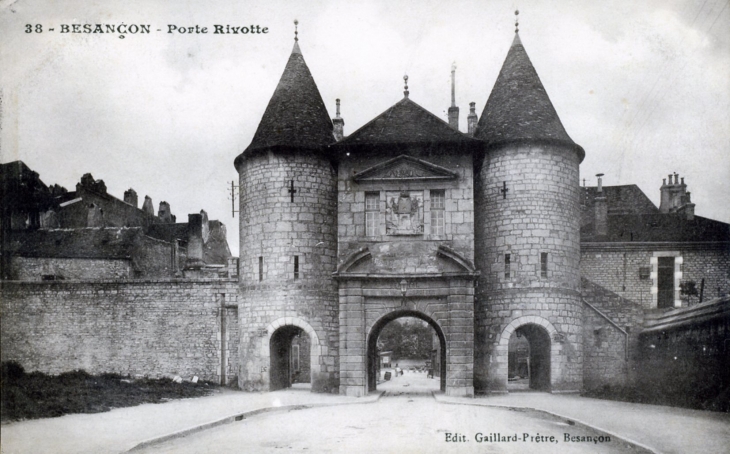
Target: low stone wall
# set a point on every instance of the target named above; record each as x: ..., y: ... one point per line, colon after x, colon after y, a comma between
x: 152, y: 327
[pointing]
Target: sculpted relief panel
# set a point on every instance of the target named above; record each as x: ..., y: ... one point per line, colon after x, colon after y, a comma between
x: 404, y: 213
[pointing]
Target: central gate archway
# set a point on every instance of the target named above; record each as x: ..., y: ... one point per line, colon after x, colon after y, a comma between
x: 372, y: 345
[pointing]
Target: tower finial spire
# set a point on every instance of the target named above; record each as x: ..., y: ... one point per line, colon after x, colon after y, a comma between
x: 296, y: 30
x: 517, y: 21
x: 405, y: 87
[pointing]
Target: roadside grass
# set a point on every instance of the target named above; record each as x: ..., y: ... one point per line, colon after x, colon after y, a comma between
x: 37, y: 395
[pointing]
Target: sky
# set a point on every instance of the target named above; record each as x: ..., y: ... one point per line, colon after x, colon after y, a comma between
x: 643, y: 87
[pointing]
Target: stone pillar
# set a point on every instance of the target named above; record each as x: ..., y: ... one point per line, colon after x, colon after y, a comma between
x: 353, y: 343
x: 460, y: 339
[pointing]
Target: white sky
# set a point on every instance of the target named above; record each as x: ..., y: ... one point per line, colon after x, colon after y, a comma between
x: 644, y: 87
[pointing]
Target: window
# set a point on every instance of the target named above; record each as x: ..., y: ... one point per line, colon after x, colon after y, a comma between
x: 261, y: 268
x: 438, y: 204
x: 296, y: 267
x: 507, y: 259
x: 543, y: 264
x: 372, y: 213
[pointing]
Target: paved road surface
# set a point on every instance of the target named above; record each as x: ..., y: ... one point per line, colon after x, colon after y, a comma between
x: 407, y: 419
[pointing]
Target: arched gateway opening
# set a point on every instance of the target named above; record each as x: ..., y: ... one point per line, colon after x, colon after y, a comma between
x: 374, y: 357
x: 529, y: 359
x: 289, y: 351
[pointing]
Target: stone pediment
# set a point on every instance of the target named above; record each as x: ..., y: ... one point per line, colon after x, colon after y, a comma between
x: 405, y: 168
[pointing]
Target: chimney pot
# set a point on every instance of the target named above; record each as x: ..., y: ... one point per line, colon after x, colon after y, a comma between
x: 338, y: 123
x: 472, y: 119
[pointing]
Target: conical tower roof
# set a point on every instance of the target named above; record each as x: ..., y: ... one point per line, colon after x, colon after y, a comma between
x: 296, y: 115
x: 519, y: 108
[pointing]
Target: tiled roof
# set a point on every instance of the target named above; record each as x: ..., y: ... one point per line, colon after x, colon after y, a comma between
x: 625, y: 199
x: 518, y: 107
x: 674, y: 227
x: 296, y: 115
x: 406, y: 122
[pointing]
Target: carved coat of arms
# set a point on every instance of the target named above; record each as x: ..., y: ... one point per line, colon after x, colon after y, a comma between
x: 404, y: 213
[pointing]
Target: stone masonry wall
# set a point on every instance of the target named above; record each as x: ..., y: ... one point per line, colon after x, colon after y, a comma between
x: 539, y: 214
x: 38, y: 268
x: 280, y: 231
x: 447, y: 303
x: 606, y: 360
x: 617, y: 267
x: 458, y: 197
x: 154, y: 328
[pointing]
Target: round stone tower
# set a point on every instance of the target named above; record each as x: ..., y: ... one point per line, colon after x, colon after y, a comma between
x: 288, y: 241
x: 527, y: 238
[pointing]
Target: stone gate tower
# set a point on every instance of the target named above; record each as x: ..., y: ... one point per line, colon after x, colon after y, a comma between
x: 288, y: 239
x: 527, y: 225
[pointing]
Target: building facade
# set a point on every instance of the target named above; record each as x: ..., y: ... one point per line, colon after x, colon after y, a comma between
x: 528, y: 279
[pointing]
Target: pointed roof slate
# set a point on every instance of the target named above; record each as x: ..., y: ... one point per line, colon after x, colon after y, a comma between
x: 405, y: 122
x: 296, y: 115
x: 518, y: 107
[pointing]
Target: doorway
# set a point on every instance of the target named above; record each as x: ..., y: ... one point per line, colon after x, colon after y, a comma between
x: 426, y: 348
x: 528, y: 364
x: 289, y: 352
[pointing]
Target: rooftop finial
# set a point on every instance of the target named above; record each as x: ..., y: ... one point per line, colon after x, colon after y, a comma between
x: 517, y: 21
x: 405, y: 87
x: 296, y: 30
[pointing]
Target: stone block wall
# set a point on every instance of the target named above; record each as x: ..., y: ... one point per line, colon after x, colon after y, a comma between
x: 618, y: 268
x: 458, y: 196
x: 277, y: 229
x: 609, y: 353
x: 42, y: 268
x: 309, y: 306
x: 116, y: 212
x: 154, y: 327
x: 539, y: 214
x: 287, y: 257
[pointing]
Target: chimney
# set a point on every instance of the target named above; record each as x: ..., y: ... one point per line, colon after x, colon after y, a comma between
x: 195, y: 242
x: 130, y: 196
x: 453, y: 110
x: 339, y: 124
x: 164, y: 213
x: 472, y: 119
x: 601, y: 207
x: 674, y: 197
x: 147, y: 206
